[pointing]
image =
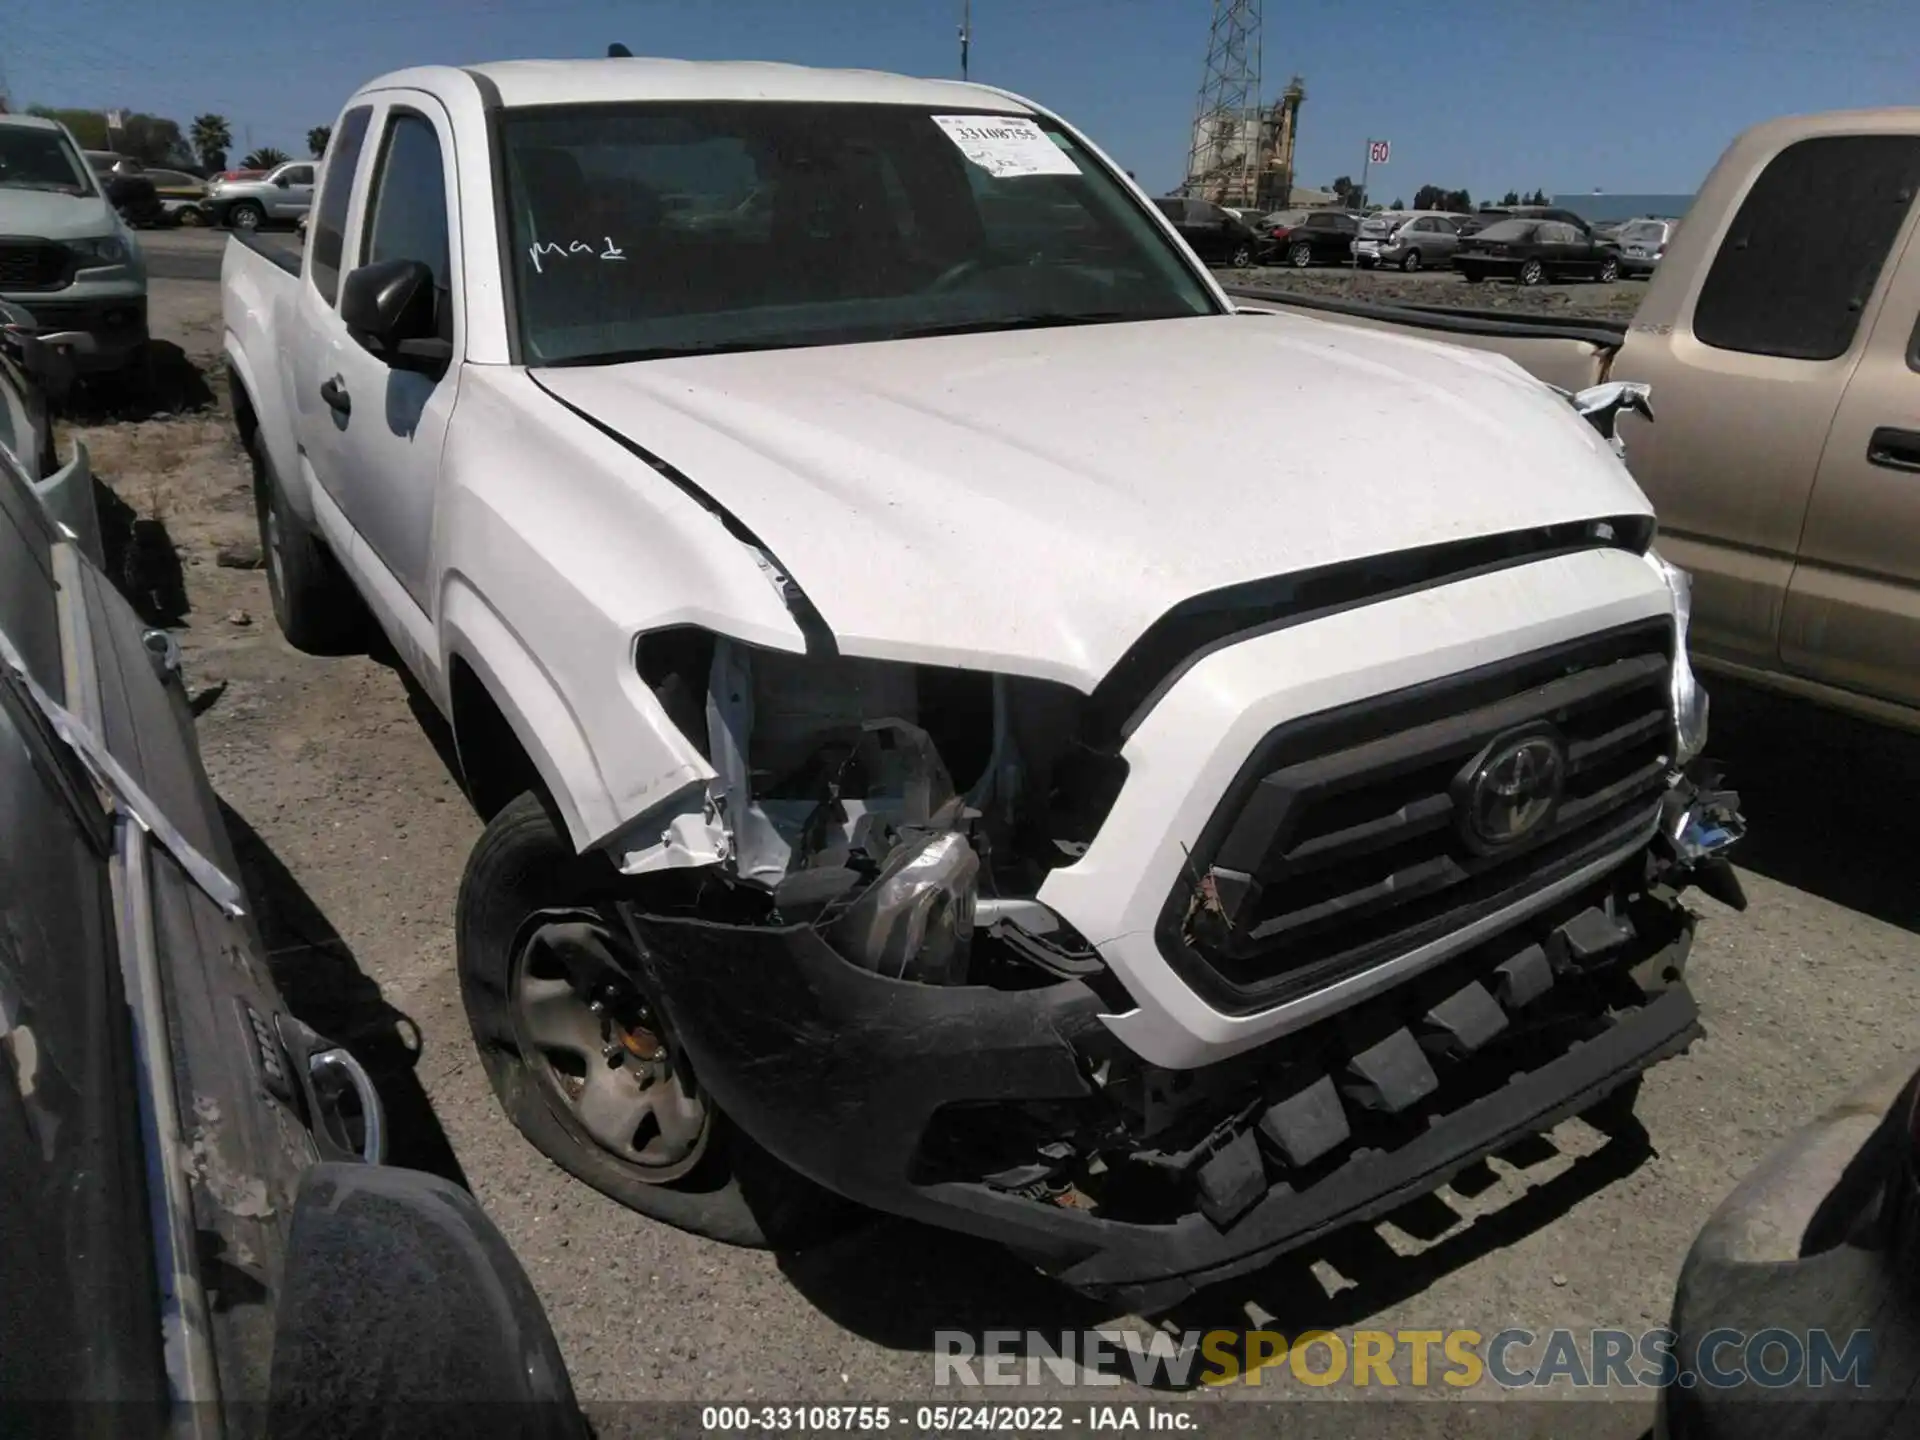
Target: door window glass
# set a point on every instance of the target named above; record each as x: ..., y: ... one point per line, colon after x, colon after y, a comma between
x: 1803, y: 255
x: 407, y: 211
x: 330, y: 218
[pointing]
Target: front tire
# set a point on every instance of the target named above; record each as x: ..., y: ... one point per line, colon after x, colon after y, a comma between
x: 1532, y: 273
x: 1241, y: 257
x: 246, y: 215
x: 1300, y: 256
x: 315, y: 606
x: 1412, y: 262
x: 582, y: 1057
x: 1609, y: 271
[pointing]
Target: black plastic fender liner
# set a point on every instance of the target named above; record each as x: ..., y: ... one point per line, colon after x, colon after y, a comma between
x: 404, y: 1313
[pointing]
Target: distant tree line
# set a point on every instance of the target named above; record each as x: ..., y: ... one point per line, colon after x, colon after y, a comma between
x: 155, y: 140
x: 1428, y: 197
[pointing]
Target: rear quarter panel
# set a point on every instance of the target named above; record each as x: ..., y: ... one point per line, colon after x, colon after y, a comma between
x: 259, y: 318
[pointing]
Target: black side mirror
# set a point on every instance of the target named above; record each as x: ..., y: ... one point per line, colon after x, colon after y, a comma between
x: 388, y: 307
x: 281, y: 182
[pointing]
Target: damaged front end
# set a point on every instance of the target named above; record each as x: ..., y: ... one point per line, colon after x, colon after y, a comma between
x: 835, y: 802
x: 859, y: 969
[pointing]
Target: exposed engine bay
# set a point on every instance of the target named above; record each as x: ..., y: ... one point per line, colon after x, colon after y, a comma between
x: 899, y: 808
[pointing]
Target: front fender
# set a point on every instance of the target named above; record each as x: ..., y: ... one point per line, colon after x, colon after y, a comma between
x: 548, y: 732
x: 592, y: 802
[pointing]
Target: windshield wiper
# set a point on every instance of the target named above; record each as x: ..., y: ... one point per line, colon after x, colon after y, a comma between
x: 668, y: 352
x: 1050, y: 320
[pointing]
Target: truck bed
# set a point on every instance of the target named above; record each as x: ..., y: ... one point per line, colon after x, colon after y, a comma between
x: 1569, y: 353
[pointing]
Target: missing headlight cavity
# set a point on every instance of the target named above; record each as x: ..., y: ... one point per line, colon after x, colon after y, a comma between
x: 899, y: 807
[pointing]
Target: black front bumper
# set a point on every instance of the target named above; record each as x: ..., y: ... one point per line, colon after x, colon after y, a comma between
x: 844, y: 1075
x: 96, y: 333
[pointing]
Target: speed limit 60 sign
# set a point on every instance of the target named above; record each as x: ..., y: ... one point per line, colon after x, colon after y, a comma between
x: 1378, y: 151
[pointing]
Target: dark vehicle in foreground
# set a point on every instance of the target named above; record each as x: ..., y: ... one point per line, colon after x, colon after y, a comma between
x: 1795, y: 1309
x: 1324, y: 238
x: 195, y: 1226
x: 1535, y: 251
x: 1218, y: 235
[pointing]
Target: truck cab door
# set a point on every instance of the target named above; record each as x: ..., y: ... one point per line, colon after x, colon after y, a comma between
x: 1852, y: 616
x: 1748, y: 362
x: 291, y: 200
x: 373, y: 432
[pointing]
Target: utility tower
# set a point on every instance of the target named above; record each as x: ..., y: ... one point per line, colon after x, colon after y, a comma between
x: 1224, y: 155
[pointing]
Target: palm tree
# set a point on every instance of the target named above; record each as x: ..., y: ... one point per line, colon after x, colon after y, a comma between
x: 211, y: 136
x: 317, y: 139
x: 265, y: 158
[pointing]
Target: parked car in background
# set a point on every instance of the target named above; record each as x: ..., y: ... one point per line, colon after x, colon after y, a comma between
x: 1406, y: 239
x: 198, y: 1228
x: 1218, y: 235
x: 1813, y: 1256
x: 1488, y: 214
x: 1785, y: 464
x: 66, y: 255
x: 1534, y: 251
x: 1325, y: 237
x: 1276, y: 224
x: 181, y: 195
x: 128, y: 188
x: 280, y: 197
x: 1643, y: 244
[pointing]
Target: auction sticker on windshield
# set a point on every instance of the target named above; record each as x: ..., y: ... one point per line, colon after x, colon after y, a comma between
x: 1006, y: 145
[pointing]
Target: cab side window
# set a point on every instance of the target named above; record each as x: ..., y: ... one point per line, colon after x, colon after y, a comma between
x: 407, y: 209
x: 1803, y: 255
x: 330, y: 216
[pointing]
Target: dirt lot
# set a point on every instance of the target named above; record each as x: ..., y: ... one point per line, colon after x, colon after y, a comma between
x: 1573, y: 300
x: 354, y: 834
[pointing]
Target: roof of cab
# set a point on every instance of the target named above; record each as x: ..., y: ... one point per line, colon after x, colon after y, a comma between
x: 30, y: 122
x: 590, y: 82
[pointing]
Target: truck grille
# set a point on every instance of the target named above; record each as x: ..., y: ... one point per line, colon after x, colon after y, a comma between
x: 1345, y: 840
x: 32, y: 265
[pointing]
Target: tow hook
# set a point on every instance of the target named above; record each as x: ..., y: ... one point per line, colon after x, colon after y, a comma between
x: 1699, y: 822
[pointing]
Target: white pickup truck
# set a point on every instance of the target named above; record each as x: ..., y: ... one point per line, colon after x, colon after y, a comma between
x: 918, y: 764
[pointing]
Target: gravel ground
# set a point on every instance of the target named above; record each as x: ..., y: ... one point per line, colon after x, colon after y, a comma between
x: 354, y: 834
x: 1575, y: 300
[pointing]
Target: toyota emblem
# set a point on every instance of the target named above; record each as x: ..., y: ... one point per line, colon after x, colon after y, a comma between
x: 1514, y: 789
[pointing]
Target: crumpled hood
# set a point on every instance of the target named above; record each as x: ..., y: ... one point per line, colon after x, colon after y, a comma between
x: 50, y: 215
x: 1032, y: 501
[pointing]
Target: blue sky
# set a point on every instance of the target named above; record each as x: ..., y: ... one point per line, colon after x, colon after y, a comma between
x: 1568, y: 95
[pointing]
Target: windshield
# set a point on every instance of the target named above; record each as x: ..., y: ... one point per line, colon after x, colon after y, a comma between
x: 35, y: 159
x: 649, y: 230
